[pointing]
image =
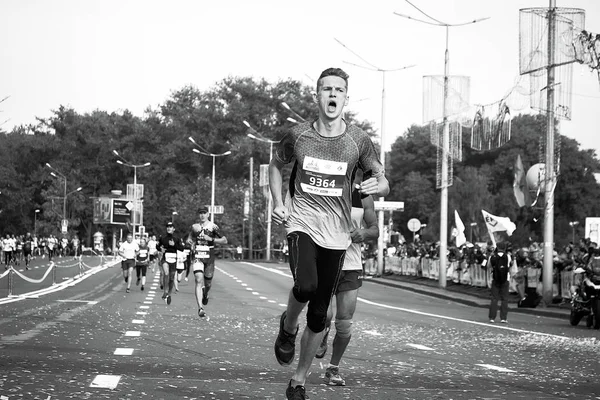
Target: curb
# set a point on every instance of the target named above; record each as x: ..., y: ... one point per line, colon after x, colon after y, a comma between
x: 545, y: 312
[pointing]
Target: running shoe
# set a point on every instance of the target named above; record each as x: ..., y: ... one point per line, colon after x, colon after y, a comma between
x: 168, y: 299
x: 126, y: 279
x: 164, y: 296
x: 322, y: 350
x: 504, y: 321
x: 161, y: 286
x: 285, y: 344
x: 127, y: 291
x: 201, y: 312
x: 186, y: 278
x: 137, y: 282
x: 333, y: 378
x: 142, y: 288
x: 295, y: 393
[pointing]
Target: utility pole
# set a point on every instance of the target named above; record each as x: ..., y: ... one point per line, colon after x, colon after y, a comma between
x: 251, y: 211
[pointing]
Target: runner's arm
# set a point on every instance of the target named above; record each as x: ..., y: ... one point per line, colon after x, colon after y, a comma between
x: 275, y: 184
x: 371, y: 230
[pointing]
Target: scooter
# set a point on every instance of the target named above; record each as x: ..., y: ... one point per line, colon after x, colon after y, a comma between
x: 585, y: 301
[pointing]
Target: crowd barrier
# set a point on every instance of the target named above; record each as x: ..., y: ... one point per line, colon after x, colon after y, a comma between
x: 82, y: 268
x: 461, y: 272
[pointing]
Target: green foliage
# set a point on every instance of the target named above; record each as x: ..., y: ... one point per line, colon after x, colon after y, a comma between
x: 484, y: 180
x: 81, y: 146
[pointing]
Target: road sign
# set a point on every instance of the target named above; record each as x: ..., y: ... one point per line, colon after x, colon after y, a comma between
x: 389, y: 205
x: 216, y: 209
x: 121, y: 214
x: 414, y: 224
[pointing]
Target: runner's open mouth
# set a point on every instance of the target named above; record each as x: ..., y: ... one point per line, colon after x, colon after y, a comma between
x: 331, y: 106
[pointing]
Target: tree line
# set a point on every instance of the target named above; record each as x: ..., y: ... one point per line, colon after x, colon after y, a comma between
x: 80, y: 146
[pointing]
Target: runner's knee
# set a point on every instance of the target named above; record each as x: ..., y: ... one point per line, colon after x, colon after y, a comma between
x: 315, y: 320
x: 343, y: 328
x: 304, y: 292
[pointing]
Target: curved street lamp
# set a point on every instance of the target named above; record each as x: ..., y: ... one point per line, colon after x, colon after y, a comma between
x: 213, y: 155
x: 259, y: 137
x: 126, y: 163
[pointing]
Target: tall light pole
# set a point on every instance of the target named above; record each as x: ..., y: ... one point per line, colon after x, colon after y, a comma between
x: 55, y: 173
x: 212, y: 191
x: 380, y: 215
x: 573, y: 224
x: 173, y: 214
x: 126, y: 163
x: 445, y: 139
x: 270, y: 198
x: 472, y: 224
x: 35, y: 221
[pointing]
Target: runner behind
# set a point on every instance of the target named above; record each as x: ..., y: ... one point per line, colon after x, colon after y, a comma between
x: 27, y: 249
x: 168, y: 246
x: 128, y: 251
x: 204, y: 235
x: 181, y: 256
x: 349, y: 283
x: 141, y: 262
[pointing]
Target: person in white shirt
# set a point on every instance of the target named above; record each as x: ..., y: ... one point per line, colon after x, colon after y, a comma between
x: 128, y: 251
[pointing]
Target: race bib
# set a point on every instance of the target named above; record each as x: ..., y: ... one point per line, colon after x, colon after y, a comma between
x: 143, y: 253
x: 323, y: 177
x: 202, y: 252
x: 198, y: 266
x: 170, y: 257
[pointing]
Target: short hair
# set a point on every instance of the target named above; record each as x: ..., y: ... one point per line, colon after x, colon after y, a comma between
x: 333, y: 72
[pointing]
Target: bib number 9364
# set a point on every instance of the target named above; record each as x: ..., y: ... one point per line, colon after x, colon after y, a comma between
x: 319, y: 182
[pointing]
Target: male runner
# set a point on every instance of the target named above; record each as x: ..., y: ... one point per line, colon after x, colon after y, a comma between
x: 347, y: 290
x: 318, y: 217
x: 168, y: 246
x: 129, y: 251
x: 141, y: 262
x: 27, y: 249
x: 205, y: 234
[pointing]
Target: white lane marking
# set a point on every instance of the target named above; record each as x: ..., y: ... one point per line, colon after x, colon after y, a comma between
x: 147, y: 302
x: 144, y: 307
x: 132, y: 333
x: 460, y: 319
x: 255, y: 293
x: 244, y: 284
x: 272, y: 301
x: 249, y: 288
x: 262, y: 298
x: 138, y: 321
x: 419, y: 346
x: 495, y: 368
x: 106, y: 381
x: 424, y: 313
x: 374, y: 333
x: 152, y: 292
x: 78, y: 301
x: 119, y: 351
x: 141, y: 313
x: 283, y: 304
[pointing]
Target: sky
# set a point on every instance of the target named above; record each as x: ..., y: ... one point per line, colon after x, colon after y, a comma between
x: 114, y: 55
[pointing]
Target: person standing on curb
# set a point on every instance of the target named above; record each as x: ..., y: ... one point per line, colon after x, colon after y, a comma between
x: 128, y: 251
x: 318, y: 218
x: 499, y: 263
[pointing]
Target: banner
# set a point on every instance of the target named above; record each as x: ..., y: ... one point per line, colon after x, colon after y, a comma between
x: 497, y: 224
x: 460, y: 227
x: 520, y: 188
x: 102, y: 210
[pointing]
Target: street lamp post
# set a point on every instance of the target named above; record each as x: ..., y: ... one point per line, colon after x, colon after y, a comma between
x: 573, y: 224
x: 212, y: 191
x: 472, y: 224
x: 35, y: 221
x: 270, y: 198
x: 135, y: 194
x: 173, y: 214
x: 55, y: 173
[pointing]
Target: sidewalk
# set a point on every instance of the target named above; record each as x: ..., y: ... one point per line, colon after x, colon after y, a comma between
x: 465, y: 294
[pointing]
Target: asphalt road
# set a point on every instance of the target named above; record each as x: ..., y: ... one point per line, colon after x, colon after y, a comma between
x: 88, y: 339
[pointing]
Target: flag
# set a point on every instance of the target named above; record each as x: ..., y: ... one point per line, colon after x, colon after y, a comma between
x: 497, y: 224
x: 460, y: 227
x: 520, y: 184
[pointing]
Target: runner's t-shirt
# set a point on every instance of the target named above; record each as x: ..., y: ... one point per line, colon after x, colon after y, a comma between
x: 323, y: 184
x: 353, y: 259
x: 205, y: 249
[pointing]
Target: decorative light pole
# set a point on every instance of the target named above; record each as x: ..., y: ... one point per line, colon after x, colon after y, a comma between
x: 173, y: 214
x: 35, y: 221
x: 259, y: 137
x: 212, y: 192
x: 126, y: 163
x: 57, y: 174
x: 573, y: 224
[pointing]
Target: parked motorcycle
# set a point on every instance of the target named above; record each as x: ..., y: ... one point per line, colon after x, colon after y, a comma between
x: 585, y: 302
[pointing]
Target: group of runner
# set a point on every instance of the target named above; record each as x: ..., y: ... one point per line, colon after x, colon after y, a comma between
x: 15, y: 249
x: 175, y: 256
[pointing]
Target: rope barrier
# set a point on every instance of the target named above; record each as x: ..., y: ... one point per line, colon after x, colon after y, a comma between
x: 20, y: 275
